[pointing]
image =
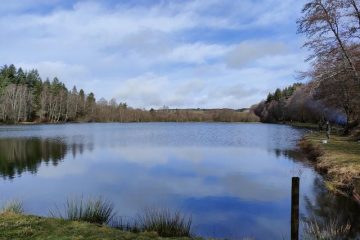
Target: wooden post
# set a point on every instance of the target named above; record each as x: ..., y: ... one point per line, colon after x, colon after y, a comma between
x: 356, y: 190
x: 295, y: 184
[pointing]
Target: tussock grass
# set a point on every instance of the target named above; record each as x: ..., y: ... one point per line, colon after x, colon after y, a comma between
x: 14, y: 206
x: 165, y: 223
x: 96, y: 210
x: 162, y: 221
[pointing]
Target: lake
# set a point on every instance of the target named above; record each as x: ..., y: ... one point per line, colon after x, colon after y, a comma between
x: 233, y: 179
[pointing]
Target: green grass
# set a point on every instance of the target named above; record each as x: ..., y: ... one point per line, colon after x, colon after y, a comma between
x: 16, y: 226
x: 95, y: 210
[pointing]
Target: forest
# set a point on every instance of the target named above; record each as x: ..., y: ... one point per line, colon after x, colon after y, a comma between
x: 332, y: 89
x: 25, y: 97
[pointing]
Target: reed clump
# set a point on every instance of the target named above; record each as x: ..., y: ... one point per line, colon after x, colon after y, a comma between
x: 92, y: 210
x: 13, y: 206
x: 162, y: 221
x: 165, y: 223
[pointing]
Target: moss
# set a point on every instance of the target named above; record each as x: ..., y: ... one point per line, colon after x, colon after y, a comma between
x: 16, y: 226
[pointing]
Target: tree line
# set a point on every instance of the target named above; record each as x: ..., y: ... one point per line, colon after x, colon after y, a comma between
x: 25, y: 97
x: 295, y: 103
x: 332, y: 31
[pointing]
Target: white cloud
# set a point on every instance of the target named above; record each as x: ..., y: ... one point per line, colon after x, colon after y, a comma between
x: 197, y: 52
x: 143, y: 89
x: 66, y: 168
x: 54, y: 69
x: 111, y: 48
x: 157, y: 91
x: 247, y: 52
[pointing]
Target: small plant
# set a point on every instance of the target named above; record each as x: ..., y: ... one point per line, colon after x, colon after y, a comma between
x: 331, y: 230
x: 96, y: 210
x: 165, y: 223
x: 14, y: 206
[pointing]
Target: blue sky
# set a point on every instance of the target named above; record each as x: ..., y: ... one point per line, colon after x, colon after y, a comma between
x: 213, y: 53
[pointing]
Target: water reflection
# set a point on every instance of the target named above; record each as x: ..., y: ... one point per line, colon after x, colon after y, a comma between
x: 291, y: 154
x: 326, y: 207
x: 19, y: 155
x: 234, y: 179
x: 25, y: 154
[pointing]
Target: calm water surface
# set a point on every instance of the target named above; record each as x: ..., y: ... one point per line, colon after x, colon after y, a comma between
x: 234, y: 179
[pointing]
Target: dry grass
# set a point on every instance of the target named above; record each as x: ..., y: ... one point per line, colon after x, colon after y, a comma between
x: 339, y: 159
x: 331, y: 230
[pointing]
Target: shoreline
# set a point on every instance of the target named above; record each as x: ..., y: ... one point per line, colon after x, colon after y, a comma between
x: 22, y: 226
x: 338, y: 161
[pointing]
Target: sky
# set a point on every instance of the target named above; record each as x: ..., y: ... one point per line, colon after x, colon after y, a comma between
x: 154, y: 53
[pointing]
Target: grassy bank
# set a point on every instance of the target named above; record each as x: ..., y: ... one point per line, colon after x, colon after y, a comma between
x: 338, y: 160
x: 18, y: 226
x: 91, y: 218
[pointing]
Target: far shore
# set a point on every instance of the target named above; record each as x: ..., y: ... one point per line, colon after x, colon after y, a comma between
x: 80, y: 122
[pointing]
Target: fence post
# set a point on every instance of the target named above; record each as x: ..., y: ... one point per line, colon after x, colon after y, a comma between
x: 295, y: 184
x: 356, y: 190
